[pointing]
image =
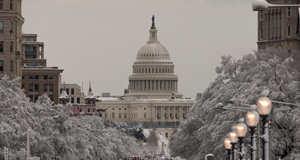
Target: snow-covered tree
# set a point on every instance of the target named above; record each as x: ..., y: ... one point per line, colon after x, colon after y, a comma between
x: 53, y: 132
x: 242, y: 81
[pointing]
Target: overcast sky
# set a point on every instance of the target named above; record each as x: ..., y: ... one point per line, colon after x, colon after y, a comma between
x: 98, y: 40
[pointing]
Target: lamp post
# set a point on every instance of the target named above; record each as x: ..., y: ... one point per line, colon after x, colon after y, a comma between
x: 233, y: 139
x: 252, y: 119
x: 241, y: 130
x: 228, y: 146
x: 264, y: 107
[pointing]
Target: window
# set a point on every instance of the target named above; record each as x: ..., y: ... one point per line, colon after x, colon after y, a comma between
x: 113, y: 115
x: 23, y: 85
x: 145, y: 115
x: 289, y: 12
x: 78, y: 100
x: 11, y: 47
x: 51, y: 77
x: 1, y: 27
x: 289, y: 31
x: 30, y: 87
x: 120, y: 115
x: 119, y: 108
x: 11, y: 4
x: 72, y: 90
x: 113, y: 108
x: 45, y: 76
x: 36, y: 87
x: 1, y: 65
x: 50, y: 87
x: 23, y: 77
x: 11, y: 65
x: 11, y: 27
x: 125, y: 109
x: 51, y: 97
x: 144, y: 108
x: 36, y: 97
x: 1, y: 46
x: 45, y: 87
x: 36, y: 77
x: 261, y: 34
x: 67, y: 90
x: 72, y: 101
x: 31, y: 97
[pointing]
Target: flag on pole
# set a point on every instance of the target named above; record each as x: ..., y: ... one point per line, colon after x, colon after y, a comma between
x: 173, y: 96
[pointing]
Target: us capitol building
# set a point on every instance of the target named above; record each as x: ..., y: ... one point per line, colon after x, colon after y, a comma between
x: 152, y: 97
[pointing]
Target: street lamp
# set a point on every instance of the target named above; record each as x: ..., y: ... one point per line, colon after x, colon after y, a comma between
x: 241, y: 130
x: 264, y: 107
x: 233, y: 139
x: 259, y: 5
x: 228, y: 146
x: 252, y: 119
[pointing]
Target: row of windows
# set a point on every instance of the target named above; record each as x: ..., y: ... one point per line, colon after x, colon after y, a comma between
x: 273, y: 33
x: 153, y: 62
x: 28, y: 39
x: 11, y: 4
x: 152, y: 70
x: 2, y: 65
x: 170, y: 116
x: 11, y: 27
x: 35, y: 87
x: 11, y: 47
x: 275, y: 14
x: 67, y: 90
x: 153, y: 55
x: 38, y: 76
x: 35, y: 97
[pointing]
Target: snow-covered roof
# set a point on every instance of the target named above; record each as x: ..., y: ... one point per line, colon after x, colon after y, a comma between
x: 63, y: 94
x: 108, y: 99
x: 90, y: 93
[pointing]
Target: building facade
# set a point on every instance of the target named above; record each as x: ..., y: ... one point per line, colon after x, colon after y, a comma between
x: 75, y: 95
x: 87, y: 108
x: 279, y: 27
x: 11, y: 22
x: 152, y: 97
x: 37, y: 78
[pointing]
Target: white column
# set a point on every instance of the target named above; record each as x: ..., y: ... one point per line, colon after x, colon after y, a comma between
x: 173, y: 112
x: 180, y: 112
x: 43, y: 52
x: 169, y: 112
x: 159, y: 85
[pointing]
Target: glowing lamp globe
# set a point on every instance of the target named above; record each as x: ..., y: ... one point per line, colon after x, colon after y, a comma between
x: 227, y: 143
x: 233, y: 137
x: 252, y: 117
x: 264, y: 106
x: 241, y: 128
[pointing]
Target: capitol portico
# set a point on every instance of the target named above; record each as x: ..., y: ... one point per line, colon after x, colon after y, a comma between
x: 152, y: 96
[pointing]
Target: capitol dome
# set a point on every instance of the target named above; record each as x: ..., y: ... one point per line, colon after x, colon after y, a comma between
x: 153, y: 51
x: 153, y: 71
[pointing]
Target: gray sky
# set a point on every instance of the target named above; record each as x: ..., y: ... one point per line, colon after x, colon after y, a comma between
x: 97, y: 40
